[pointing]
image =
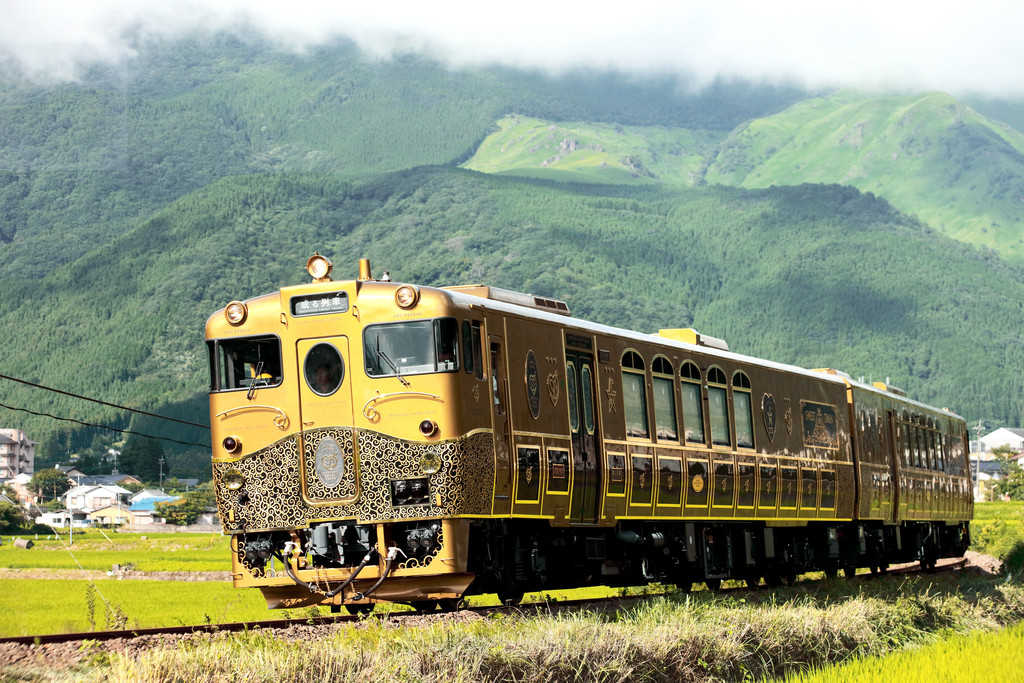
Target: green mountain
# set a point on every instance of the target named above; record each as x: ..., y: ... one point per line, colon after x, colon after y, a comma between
x: 137, y: 202
x: 930, y: 156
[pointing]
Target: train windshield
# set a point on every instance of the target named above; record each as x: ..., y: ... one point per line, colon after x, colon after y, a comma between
x: 245, y: 363
x: 413, y: 348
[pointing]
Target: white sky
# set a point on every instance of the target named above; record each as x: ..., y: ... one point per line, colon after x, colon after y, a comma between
x: 896, y: 44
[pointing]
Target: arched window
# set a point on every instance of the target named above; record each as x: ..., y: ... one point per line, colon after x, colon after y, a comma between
x: 634, y: 395
x: 693, y: 407
x: 743, y: 409
x: 662, y: 380
x: 718, y: 407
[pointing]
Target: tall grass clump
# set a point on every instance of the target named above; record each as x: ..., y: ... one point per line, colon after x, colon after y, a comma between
x: 699, y: 637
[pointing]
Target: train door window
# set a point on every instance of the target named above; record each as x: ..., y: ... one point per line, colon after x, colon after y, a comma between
x: 467, y: 347
x: 718, y: 407
x: 634, y: 395
x: 915, y: 429
x: 570, y: 389
x: 245, y: 363
x: 323, y: 369
x: 743, y: 410
x: 588, y: 399
x: 664, y: 400
x: 497, y: 378
x: 693, y: 407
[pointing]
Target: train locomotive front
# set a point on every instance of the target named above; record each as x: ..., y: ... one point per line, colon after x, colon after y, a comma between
x: 344, y: 473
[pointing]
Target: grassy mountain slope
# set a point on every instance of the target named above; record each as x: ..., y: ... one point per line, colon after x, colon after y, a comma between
x: 930, y: 156
x: 596, y: 153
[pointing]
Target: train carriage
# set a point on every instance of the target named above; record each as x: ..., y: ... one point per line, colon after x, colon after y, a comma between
x: 384, y: 441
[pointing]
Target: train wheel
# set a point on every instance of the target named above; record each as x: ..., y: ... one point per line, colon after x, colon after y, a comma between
x: 773, y: 580
x: 789, y: 578
x: 713, y: 584
x: 684, y: 586
x: 831, y: 573
x: 880, y: 569
x: 754, y: 582
x: 510, y: 596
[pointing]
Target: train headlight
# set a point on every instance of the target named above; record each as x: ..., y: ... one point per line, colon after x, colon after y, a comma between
x: 430, y: 463
x: 406, y: 296
x: 233, y: 480
x: 235, y: 313
x: 319, y: 267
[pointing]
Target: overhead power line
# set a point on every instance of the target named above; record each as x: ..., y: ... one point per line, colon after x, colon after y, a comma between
x: 113, y: 429
x: 96, y: 400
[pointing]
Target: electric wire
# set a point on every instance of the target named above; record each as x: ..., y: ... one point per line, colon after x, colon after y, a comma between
x: 99, y: 426
x: 105, y: 403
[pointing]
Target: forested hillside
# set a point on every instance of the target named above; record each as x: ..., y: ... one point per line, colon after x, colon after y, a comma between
x: 139, y: 201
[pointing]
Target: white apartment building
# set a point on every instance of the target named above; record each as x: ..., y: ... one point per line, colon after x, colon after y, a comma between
x: 17, y: 454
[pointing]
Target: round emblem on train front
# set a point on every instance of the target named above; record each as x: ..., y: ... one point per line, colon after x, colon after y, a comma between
x: 330, y: 466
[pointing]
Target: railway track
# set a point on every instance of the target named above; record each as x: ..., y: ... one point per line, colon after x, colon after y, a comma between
x: 283, y: 624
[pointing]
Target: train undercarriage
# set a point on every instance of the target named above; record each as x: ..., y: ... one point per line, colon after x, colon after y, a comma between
x: 511, y: 558
x: 346, y: 564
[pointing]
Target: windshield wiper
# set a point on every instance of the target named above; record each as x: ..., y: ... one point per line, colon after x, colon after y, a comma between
x: 384, y: 356
x: 256, y: 381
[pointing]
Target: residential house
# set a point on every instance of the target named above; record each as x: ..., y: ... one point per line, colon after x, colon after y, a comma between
x: 91, y: 497
x: 65, y: 518
x: 1014, y: 438
x: 111, y: 515
x: 143, y: 511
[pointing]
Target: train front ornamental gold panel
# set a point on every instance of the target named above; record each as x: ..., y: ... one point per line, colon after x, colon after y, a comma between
x: 274, y: 480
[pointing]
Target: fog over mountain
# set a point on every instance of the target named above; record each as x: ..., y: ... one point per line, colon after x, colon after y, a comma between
x: 894, y: 45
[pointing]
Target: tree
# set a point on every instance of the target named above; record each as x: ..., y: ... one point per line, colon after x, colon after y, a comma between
x: 50, y: 483
x: 141, y: 457
x: 186, y: 510
x: 1012, y: 483
x: 12, y: 517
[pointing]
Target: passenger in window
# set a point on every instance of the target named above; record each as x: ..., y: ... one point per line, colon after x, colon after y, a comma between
x: 324, y: 380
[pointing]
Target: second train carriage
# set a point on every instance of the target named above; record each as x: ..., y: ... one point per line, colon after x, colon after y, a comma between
x: 383, y: 441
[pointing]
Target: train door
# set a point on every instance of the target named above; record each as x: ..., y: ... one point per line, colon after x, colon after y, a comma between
x: 586, y: 457
x: 326, y: 413
x: 895, y: 469
x: 500, y: 422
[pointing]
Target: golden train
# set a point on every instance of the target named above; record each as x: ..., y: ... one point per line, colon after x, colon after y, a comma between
x: 382, y: 441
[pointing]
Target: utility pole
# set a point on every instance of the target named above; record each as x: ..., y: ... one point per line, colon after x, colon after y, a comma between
x: 977, y: 471
x: 161, y: 473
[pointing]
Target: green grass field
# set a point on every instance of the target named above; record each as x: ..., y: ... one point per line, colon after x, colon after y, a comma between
x: 960, y: 658
x: 94, y: 551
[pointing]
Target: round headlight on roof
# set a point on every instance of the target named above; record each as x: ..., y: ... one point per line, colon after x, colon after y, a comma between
x: 319, y: 267
x: 235, y: 312
x: 406, y: 296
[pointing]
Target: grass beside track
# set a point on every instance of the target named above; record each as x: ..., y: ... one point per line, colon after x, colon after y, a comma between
x: 94, y: 551
x: 699, y: 637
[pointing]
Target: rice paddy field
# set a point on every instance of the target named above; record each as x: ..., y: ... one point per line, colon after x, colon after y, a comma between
x: 816, y: 628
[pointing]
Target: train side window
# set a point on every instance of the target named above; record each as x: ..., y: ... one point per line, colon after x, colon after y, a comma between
x: 743, y: 410
x: 908, y: 441
x: 693, y: 407
x: 634, y: 396
x: 662, y: 379
x: 718, y: 407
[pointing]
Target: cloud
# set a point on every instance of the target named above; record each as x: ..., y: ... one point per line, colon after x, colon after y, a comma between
x: 872, y: 44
